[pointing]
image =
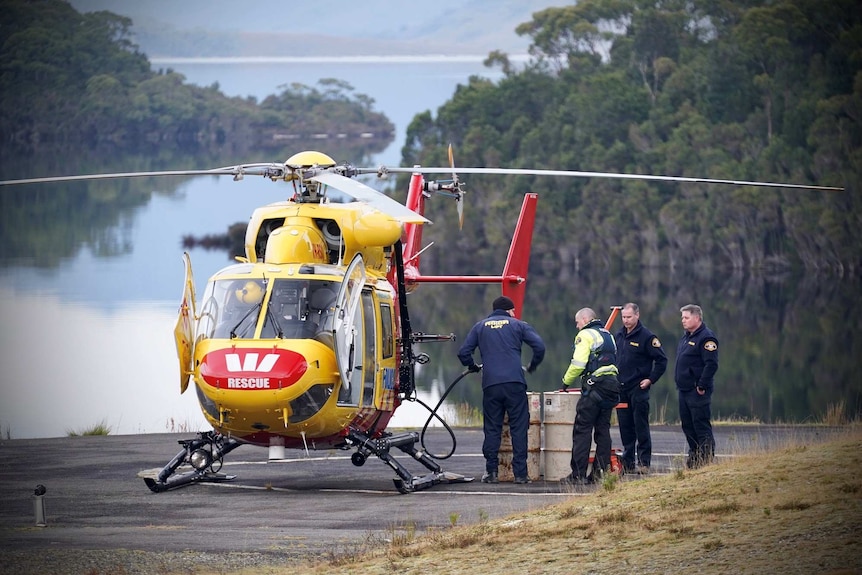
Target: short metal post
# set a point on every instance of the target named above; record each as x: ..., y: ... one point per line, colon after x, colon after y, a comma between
x: 276, y: 448
x: 39, y: 505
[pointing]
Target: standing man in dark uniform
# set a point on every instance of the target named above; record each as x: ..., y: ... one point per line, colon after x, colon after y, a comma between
x: 499, y: 338
x: 593, y: 364
x: 696, y: 364
x: 641, y: 362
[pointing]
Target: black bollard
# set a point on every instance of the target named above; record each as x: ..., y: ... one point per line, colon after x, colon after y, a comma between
x: 39, y: 504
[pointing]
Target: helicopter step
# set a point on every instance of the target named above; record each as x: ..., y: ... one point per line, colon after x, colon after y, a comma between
x: 204, y: 454
x: 406, y: 442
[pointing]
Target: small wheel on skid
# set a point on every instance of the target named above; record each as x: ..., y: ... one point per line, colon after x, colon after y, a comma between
x: 358, y: 459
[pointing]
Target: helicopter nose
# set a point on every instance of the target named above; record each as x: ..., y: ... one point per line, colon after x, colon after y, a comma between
x: 252, y: 368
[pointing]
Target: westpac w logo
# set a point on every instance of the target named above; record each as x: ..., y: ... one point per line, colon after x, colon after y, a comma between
x: 250, y: 363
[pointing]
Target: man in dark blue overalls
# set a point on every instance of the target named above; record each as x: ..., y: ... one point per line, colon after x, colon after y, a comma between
x: 696, y: 365
x: 499, y: 338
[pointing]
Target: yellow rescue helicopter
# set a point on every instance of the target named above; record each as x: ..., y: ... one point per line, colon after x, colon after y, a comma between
x: 306, y: 341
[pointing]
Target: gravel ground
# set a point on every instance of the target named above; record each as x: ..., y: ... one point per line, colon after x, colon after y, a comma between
x: 130, y: 562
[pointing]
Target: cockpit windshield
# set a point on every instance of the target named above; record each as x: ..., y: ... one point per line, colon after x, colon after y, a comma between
x: 293, y: 309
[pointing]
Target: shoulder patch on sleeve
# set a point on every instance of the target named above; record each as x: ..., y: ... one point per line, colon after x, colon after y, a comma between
x: 577, y: 340
x: 656, y: 342
x: 710, y: 345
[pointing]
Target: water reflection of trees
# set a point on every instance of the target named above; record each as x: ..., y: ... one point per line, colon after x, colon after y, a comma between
x: 785, y: 353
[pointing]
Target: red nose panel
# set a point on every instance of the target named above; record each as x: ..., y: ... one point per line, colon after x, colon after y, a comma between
x: 252, y: 369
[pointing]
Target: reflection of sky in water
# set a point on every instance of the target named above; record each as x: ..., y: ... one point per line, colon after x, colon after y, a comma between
x: 72, y: 366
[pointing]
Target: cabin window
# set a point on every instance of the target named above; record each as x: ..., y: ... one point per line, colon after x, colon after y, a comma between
x: 370, y: 352
x: 388, y: 347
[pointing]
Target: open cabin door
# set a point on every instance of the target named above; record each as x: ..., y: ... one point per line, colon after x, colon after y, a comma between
x: 184, y: 328
x: 349, y: 332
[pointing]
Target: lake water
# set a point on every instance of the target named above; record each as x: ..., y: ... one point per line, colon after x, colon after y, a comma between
x: 88, y: 338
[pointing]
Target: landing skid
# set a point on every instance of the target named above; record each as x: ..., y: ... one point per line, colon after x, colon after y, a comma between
x: 186, y: 479
x: 406, y: 442
x: 204, y: 454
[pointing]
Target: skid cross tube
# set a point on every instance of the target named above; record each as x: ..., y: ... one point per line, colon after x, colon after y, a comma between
x: 406, y: 442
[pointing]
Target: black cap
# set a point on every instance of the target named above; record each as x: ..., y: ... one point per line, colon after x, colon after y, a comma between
x: 503, y: 303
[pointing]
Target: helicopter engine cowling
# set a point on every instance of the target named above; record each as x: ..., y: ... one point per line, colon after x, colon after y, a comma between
x: 297, y: 241
x: 376, y: 229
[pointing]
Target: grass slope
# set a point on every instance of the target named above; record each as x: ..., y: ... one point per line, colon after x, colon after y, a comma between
x: 793, y: 510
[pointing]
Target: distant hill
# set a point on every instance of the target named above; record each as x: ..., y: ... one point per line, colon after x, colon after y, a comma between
x: 200, y: 28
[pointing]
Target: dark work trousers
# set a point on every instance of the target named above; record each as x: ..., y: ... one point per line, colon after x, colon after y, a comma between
x: 695, y: 414
x: 634, y: 426
x: 593, y: 413
x: 498, y: 400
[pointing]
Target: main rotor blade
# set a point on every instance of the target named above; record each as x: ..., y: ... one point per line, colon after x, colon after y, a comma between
x: 269, y: 169
x: 274, y: 170
x: 610, y: 175
x: 372, y: 197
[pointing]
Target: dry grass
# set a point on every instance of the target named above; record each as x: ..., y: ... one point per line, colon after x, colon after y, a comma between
x: 100, y: 428
x: 797, y: 509
x: 466, y: 415
x: 835, y: 414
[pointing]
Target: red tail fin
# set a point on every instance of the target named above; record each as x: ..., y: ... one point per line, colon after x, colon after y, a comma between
x: 514, y: 276
x: 518, y: 262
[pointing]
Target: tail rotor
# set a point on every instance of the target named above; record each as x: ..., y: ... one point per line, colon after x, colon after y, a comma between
x: 456, y: 189
x: 452, y: 188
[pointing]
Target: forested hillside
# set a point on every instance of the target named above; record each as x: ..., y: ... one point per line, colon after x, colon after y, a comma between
x: 68, y: 79
x: 743, y: 90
